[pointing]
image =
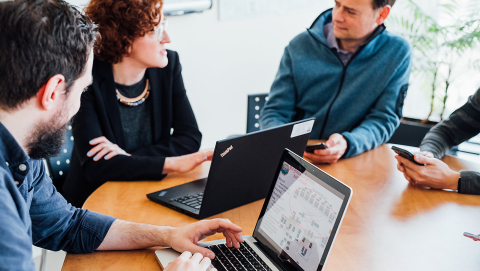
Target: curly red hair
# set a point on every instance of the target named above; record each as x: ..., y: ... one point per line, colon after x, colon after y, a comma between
x: 120, y: 22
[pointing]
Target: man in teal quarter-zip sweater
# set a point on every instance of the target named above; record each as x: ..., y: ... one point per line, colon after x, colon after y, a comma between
x: 349, y: 73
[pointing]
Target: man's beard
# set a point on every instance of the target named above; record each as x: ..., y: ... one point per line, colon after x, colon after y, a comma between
x: 48, y: 138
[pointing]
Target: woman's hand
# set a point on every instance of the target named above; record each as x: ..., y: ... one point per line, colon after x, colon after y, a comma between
x: 104, y: 148
x: 186, y: 163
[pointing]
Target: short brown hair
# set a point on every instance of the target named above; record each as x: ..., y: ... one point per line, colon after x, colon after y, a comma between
x: 382, y: 3
x: 40, y: 39
x: 120, y: 22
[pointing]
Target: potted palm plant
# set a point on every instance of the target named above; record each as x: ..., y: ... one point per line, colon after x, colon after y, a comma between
x: 441, y: 52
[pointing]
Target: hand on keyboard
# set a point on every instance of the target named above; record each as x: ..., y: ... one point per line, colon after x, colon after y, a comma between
x: 242, y: 259
x: 186, y: 238
x: 187, y: 262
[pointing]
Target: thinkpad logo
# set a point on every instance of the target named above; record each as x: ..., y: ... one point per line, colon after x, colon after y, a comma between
x: 162, y: 193
x: 226, y: 151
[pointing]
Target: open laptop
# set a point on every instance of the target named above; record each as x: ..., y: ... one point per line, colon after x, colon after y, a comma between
x: 296, y: 228
x: 241, y: 171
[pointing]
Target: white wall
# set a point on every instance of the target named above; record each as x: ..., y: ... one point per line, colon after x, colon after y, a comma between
x: 225, y: 61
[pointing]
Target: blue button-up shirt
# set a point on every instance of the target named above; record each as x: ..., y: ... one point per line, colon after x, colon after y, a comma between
x: 32, y: 211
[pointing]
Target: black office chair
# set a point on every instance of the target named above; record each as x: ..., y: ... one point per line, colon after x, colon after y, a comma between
x: 59, y: 166
x: 409, y: 135
x: 255, y: 104
x: 412, y: 134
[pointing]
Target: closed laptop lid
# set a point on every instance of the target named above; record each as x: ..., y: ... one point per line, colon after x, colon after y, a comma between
x: 302, y: 214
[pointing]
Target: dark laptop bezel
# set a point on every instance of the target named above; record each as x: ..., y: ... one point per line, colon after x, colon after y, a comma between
x: 202, y: 213
x: 298, y: 162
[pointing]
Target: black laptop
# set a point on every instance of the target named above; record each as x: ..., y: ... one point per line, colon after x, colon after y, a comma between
x: 241, y: 171
x: 296, y: 228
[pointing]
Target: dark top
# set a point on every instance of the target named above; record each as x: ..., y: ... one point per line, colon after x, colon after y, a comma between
x: 99, y: 115
x: 32, y: 211
x: 136, y: 120
x: 462, y: 125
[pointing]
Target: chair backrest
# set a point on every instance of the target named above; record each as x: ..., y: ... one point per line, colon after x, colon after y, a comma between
x: 59, y: 166
x: 409, y: 134
x: 255, y: 104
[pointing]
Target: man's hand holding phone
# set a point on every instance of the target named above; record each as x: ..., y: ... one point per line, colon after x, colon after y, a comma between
x: 432, y: 173
x: 336, y: 147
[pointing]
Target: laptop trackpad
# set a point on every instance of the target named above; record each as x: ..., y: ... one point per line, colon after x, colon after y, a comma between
x: 165, y: 256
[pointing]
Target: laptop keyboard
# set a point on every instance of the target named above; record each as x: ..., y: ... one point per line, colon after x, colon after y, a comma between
x: 242, y: 259
x: 194, y: 201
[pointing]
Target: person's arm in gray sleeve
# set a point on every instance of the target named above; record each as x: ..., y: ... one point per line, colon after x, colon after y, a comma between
x: 280, y: 107
x: 469, y: 182
x: 462, y: 125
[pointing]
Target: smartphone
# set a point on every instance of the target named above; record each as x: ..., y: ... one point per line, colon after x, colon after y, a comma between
x: 317, y: 146
x: 406, y: 154
x: 473, y: 236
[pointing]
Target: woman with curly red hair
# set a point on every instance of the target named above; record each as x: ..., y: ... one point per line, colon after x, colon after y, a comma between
x: 135, y: 121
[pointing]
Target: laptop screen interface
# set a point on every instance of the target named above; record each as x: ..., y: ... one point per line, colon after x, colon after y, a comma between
x: 299, y: 217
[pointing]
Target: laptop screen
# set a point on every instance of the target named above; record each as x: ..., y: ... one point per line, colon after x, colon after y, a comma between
x: 300, y: 216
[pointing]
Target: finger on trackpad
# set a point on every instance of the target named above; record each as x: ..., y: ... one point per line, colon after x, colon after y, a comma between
x: 167, y: 255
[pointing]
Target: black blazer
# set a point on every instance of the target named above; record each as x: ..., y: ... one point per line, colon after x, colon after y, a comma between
x: 99, y: 115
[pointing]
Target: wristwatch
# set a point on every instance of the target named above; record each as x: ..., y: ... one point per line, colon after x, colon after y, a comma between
x: 459, y: 183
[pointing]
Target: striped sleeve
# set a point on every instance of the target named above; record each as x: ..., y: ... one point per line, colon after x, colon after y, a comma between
x: 462, y: 125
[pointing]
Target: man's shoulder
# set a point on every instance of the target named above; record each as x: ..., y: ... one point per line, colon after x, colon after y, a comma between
x: 301, y: 39
x: 38, y: 166
x: 395, y: 42
x: 304, y: 45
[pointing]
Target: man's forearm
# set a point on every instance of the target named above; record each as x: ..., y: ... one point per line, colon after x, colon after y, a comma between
x: 462, y: 125
x: 439, y: 139
x: 124, y: 235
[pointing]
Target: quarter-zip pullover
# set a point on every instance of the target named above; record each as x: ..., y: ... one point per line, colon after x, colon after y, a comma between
x: 362, y: 99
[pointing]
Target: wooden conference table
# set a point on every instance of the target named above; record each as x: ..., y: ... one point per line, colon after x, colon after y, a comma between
x: 389, y: 225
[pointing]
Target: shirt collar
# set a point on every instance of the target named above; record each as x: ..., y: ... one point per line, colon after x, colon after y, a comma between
x: 332, y: 40
x: 10, y: 150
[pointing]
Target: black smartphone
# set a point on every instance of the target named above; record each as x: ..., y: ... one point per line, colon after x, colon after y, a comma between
x: 317, y: 146
x: 406, y: 154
